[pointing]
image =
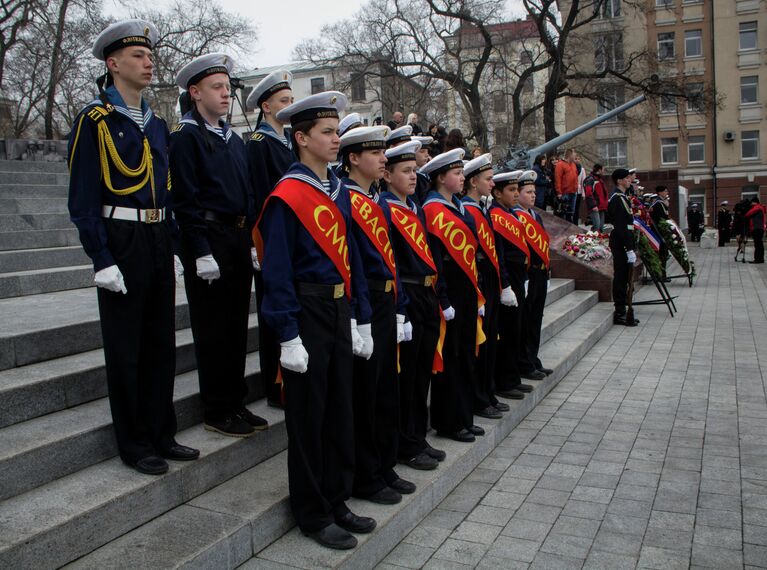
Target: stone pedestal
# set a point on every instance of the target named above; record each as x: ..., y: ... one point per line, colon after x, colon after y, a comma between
x: 709, y: 239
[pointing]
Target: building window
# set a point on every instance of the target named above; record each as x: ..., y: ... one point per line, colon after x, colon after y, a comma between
x: 610, y: 9
x: 750, y: 191
x: 527, y: 86
x: 699, y: 198
x: 612, y: 97
x: 668, y: 104
x: 696, y: 149
x: 693, y: 43
x: 694, y: 93
x: 666, y: 46
x: 318, y: 85
x: 613, y: 153
x: 749, y: 145
x: 749, y: 89
x: 669, y: 150
x: 664, y: 3
x: 608, y: 52
x: 499, y: 102
x: 358, y: 86
x: 501, y: 135
x: 525, y: 57
x: 748, y: 39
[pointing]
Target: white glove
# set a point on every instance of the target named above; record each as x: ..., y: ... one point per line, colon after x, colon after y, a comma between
x: 400, y: 328
x: 254, y: 259
x: 111, y: 279
x: 481, y: 311
x: 293, y: 355
x: 357, y: 342
x: 178, y: 268
x: 367, y: 341
x: 408, y: 331
x: 508, y: 298
x: 207, y: 268
x: 526, y: 284
x: 631, y: 256
x: 448, y: 313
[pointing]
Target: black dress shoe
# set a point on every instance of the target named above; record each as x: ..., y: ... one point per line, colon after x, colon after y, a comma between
x: 233, y: 426
x: 275, y: 404
x: 151, y: 465
x: 502, y: 406
x: 333, y: 536
x: 403, y: 487
x: 511, y: 394
x: 757, y: 262
x: 476, y: 430
x: 422, y: 462
x: 180, y: 453
x: 526, y: 388
x: 546, y: 371
x: 434, y: 453
x: 622, y: 320
x: 490, y: 413
x: 355, y: 523
x: 258, y: 423
x: 463, y: 435
x: 534, y: 375
x: 386, y: 496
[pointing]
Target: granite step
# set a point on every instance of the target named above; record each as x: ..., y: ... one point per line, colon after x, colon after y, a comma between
x: 29, y: 239
x: 37, y: 281
x: 27, y: 392
x: 18, y: 205
x: 21, y: 222
x: 30, y: 190
x: 35, y: 177
x: 43, y: 258
x: 43, y: 449
x: 33, y: 166
x: 246, y: 521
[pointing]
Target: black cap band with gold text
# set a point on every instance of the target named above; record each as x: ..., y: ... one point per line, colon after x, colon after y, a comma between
x: 397, y: 158
x: 450, y: 166
x: 271, y: 91
x: 205, y: 72
x: 482, y: 168
x: 126, y: 42
x: 313, y: 115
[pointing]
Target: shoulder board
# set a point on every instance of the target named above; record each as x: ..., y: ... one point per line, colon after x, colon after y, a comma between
x: 97, y: 113
x: 256, y: 137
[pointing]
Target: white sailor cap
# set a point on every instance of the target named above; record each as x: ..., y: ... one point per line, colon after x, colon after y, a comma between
x: 527, y: 177
x: 425, y: 141
x: 403, y: 152
x: 268, y: 86
x: 200, y: 67
x: 350, y: 121
x: 399, y: 135
x: 325, y: 105
x: 364, y: 138
x: 444, y: 162
x: 476, y: 165
x: 123, y: 34
x: 504, y: 178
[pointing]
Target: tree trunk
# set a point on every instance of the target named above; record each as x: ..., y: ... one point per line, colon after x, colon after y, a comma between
x: 50, y: 97
x: 477, y: 119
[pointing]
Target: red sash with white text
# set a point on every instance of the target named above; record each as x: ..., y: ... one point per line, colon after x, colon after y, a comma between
x: 370, y: 218
x: 510, y: 229
x: 409, y: 226
x: 536, y: 236
x: 486, y: 237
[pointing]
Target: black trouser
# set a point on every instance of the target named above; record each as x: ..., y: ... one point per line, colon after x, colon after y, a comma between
x: 452, y: 390
x: 620, y: 277
x: 510, y: 332
x: 484, y: 386
x: 268, y: 349
x: 376, y: 402
x: 139, y: 338
x: 416, y: 358
x: 532, y: 318
x: 219, y: 315
x: 319, y: 414
x: 724, y: 236
x: 757, y: 236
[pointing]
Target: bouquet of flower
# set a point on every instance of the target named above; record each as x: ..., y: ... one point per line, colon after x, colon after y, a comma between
x: 677, y: 245
x: 589, y: 246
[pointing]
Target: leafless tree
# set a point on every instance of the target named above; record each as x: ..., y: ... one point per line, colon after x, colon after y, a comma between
x: 14, y: 16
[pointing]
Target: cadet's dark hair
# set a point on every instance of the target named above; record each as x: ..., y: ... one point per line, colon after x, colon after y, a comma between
x: 303, y: 127
x: 597, y: 167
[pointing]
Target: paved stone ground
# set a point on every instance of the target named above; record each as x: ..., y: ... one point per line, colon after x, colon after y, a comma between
x: 651, y: 453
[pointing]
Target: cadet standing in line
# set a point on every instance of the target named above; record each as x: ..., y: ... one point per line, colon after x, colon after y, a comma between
x: 417, y: 272
x: 423, y: 183
x: 538, y: 278
x: 376, y: 394
x: 118, y: 198
x: 453, y: 242
x: 310, y: 276
x: 659, y: 212
x: 494, y: 283
x: 620, y: 215
x: 515, y: 257
x: 214, y: 210
x: 270, y: 154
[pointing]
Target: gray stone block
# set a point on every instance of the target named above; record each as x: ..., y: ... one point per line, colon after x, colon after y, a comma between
x: 34, y: 189
x: 20, y: 205
x: 29, y: 239
x: 28, y: 259
x: 20, y: 222
x: 59, y: 167
x: 37, y: 281
x: 35, y: 178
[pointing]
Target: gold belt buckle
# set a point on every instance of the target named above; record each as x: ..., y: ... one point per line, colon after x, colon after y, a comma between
x: 338, y: 291
x: 388, y: 287
x: 152, y: 216
x: 428, y: 280
x: 239, y: 222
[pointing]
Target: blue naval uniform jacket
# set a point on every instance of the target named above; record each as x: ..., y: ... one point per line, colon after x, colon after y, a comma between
x: 509, y: 252
x: 422, y: 187
x: 269, y: 157
x: 372, y: 263
x: 437, y: 251
x: 472, y: 203
x: 215, y: 179
x: 88, y: 191
x: 291, y: 255
x: 408, y: 262
x: 535, y: 259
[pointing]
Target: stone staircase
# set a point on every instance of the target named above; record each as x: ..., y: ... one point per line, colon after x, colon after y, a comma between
x: 67, y: 500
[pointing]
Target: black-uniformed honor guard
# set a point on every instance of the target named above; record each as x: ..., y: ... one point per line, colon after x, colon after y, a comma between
x: 214, y: 211
x: 417, y: 272
x: 118, y: 197
x: 658, y: 213
x: 620, y: 215
x: 724, y: 223
x: 270, y: 154
x: 311, y: 276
